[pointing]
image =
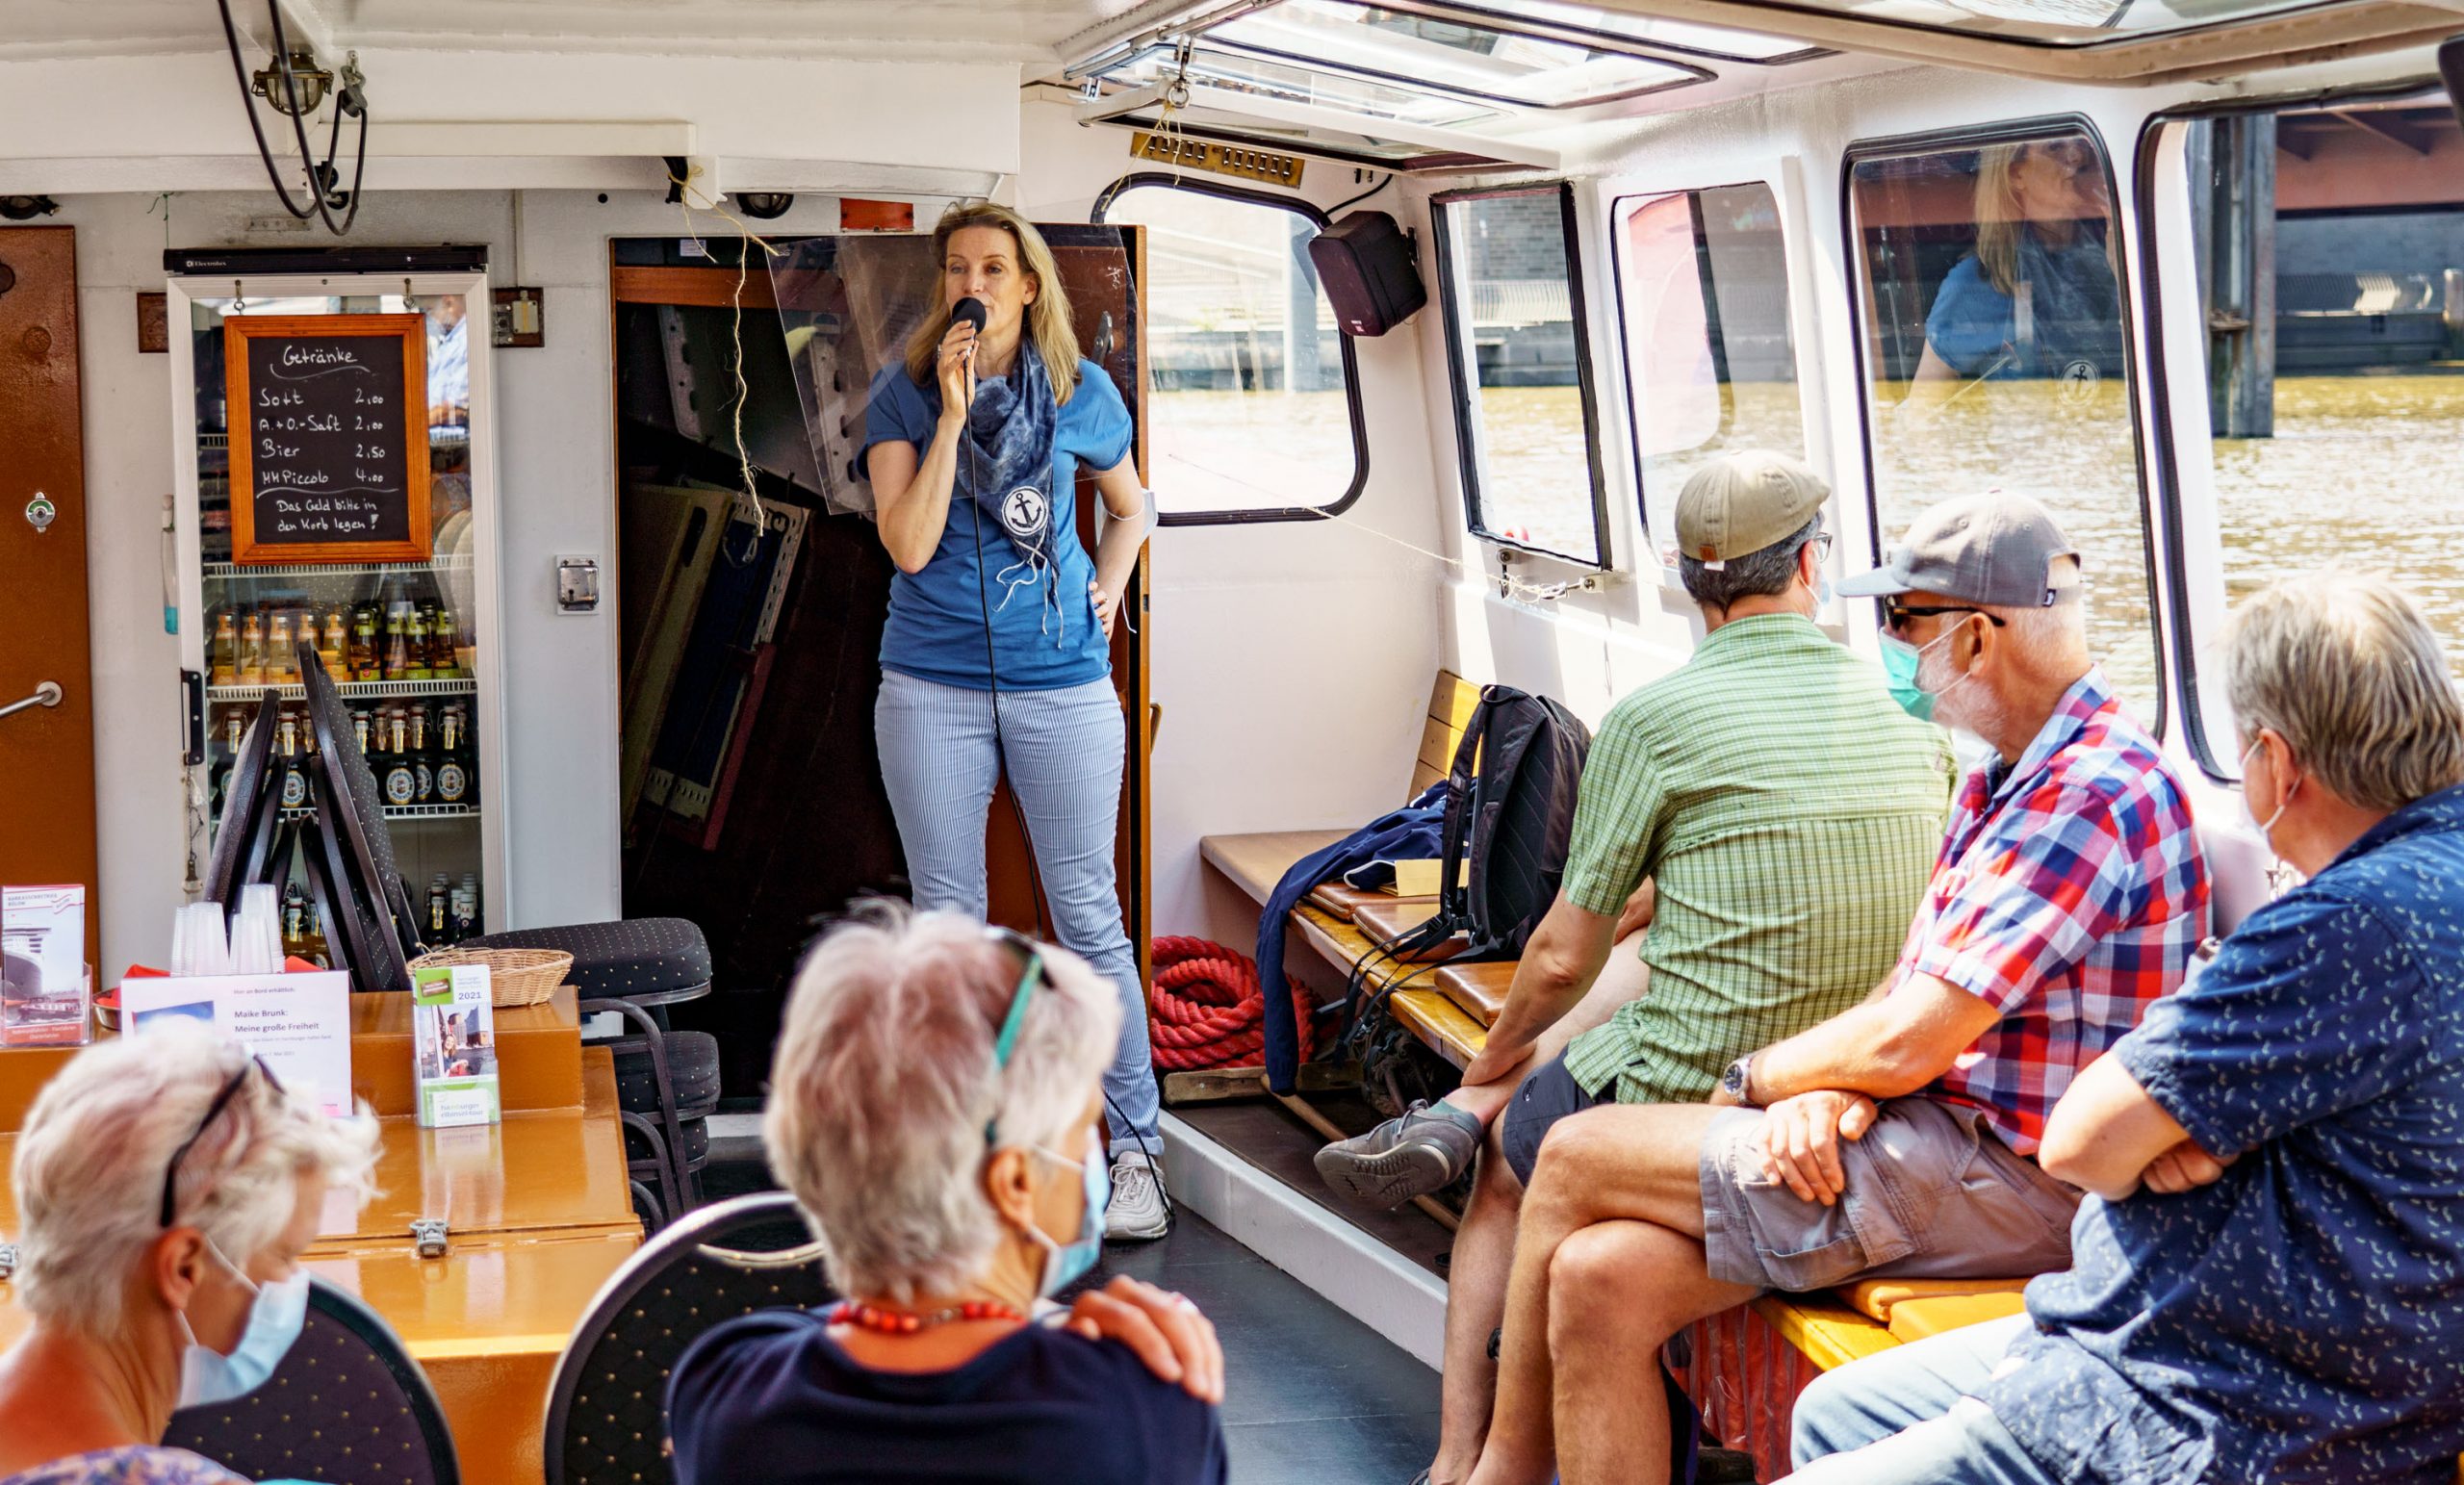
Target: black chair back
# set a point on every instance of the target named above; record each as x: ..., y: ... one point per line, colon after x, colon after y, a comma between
x: 379, y: 930
x: 608, y: 1406
x: 347, y: 1406
x: 251, y: 803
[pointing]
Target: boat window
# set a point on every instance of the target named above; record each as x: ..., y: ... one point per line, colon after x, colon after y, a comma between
x: 1525, y: 430
x: 2330, y: 252
x: 1995, y: 358
x: 1252, y: 412
x: 1710, y: 363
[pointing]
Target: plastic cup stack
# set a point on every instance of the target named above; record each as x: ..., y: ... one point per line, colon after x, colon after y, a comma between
x: 198, y: 946
x: 256, y: 933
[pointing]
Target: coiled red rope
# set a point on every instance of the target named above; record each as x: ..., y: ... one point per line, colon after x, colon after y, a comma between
x: 1209, y: 1011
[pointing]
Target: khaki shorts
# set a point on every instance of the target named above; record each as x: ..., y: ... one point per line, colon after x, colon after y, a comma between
x: 1932, y: 1193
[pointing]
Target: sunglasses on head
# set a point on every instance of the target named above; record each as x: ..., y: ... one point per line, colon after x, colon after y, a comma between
x: 213, y: 1111
x: 1030, y: 975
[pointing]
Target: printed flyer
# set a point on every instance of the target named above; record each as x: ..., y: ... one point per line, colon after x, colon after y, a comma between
x: 454, y: 1040
x: 300, y: 1024
x: 44, y: 986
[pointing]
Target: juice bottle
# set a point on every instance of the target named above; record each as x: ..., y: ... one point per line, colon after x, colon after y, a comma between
x: 398, y: 652
x: 365, y: 663
x: 253, y: 651
x: 444, y: 662
x: 333, y: 648
x: 282, y: 665
x: 414, y: 648
x: 222, y: 665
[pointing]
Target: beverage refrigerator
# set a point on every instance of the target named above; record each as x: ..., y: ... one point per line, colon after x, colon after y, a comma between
x: 409, y: 628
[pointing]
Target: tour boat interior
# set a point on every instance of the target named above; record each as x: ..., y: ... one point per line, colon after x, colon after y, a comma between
x: 632, y: 593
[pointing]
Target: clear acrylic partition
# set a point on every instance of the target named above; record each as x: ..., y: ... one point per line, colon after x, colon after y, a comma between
x: 849, y: 305
x: 1509, y: 295
x: 1994, y: 359
x: 1711, y: 355
x: 397, y: 637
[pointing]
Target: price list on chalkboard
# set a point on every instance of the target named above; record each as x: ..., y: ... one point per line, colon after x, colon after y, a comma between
x: 335, y: 461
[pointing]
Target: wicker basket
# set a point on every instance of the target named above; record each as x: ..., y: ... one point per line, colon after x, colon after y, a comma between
x: 516, y: 977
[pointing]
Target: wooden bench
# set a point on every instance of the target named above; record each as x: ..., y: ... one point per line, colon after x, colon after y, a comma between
x: 1342, y: 925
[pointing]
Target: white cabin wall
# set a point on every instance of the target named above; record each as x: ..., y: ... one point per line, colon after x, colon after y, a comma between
x: 1292, y: 661
x: 555, y: 456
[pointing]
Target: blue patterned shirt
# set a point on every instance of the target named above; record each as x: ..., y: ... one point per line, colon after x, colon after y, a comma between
x: 2302, y: 1319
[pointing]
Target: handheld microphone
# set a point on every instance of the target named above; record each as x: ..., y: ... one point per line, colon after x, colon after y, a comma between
x: 971, y: 311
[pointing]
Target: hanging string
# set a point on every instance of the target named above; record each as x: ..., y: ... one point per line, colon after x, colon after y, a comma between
x: 746, y: 502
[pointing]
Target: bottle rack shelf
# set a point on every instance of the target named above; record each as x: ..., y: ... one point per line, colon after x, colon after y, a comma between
x: 236, y: 572
x: 351, y: 690
x: 407, y: 813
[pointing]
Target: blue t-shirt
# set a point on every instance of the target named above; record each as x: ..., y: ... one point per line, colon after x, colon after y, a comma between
x: 2302, y: 1317
x: 770, y: 1400
x: 2073, y: 317
x: 935, y: 629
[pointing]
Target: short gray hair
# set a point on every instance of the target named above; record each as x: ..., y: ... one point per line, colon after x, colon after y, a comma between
x: 1758, y: 574
x: 884, y: 1087
x: 2346, y: 671
x: 99, y: 1141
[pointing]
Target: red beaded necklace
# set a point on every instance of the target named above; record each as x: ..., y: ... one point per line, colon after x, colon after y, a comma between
x: 907, y: 1323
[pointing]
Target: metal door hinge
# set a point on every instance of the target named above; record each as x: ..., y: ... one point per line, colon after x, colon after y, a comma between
x: 428, y: 1232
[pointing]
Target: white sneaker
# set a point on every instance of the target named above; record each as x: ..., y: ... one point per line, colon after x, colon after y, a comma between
x: 1137, y: 1212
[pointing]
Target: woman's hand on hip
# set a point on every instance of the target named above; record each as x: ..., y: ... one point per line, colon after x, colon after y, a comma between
x: 956, y: 367
x: 1166, y: 1331
x: 1107, y: 607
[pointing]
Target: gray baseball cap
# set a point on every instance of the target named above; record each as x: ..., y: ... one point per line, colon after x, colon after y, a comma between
x: 1994, y: 549
x: 1742, y: 502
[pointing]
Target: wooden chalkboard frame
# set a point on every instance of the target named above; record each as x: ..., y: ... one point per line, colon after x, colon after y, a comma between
x: 410, y: 331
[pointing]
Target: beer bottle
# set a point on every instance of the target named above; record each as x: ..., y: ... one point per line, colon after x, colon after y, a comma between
x: 479, y: 917
x: 423, y: 757
x: 414, y: 648
x: 359, y: 729
x: 235, y: 723
x: 294, y: 778
x: 365, y: 662
x: 253, y: 651
x: 401, y: 780
x: 440, y: 914
x: 466, y: 911
x: 452, y: 768
x: 444, y: 661
x: 295, y: 921
x: 222, y: 666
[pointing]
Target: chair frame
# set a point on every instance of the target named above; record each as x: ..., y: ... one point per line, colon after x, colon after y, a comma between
x: 354, y: 1315
x: 667, y: 1135
x: 692, y: 1233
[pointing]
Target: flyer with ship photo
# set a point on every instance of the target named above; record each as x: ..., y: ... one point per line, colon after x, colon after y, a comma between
x: 453, y: 1041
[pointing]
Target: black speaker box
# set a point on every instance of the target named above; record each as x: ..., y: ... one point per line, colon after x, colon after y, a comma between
x: 1365, y: 262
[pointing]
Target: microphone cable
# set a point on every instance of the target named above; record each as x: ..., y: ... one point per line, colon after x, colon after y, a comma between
x: 1000, y: 745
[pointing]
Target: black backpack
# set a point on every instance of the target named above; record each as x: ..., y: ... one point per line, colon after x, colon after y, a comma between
x: 1509, y: 812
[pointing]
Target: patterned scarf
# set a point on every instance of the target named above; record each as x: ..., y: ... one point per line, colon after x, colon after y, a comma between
x: 1009, y: 433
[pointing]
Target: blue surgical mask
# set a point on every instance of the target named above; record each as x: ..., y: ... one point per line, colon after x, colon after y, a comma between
x: 1901, y: 662
x: 276, y: 1315
x: 1066, y: 1263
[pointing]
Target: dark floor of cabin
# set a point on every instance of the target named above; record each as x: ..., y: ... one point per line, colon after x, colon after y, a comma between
x: 1312, y: 1393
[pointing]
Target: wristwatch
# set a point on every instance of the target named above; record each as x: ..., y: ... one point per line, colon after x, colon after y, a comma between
x: 1738, y: 1082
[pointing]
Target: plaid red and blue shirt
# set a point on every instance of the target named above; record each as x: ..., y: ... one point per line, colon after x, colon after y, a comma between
x: 2069, y: 896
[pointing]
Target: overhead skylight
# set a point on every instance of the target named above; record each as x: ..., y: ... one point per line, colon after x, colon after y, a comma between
x: 1296, y: 82
x: 1432, y: 50
x: 1626, y: 25
x: 2060, y: 22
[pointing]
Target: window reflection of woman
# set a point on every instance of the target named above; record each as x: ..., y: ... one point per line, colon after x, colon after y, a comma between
x: 2037, y: 298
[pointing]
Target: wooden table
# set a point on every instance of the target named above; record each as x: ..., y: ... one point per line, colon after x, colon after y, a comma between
x: 538, y: 1212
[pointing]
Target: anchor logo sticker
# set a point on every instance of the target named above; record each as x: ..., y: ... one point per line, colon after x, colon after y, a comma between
x: 2079, y: 382
x: 1023, y: 511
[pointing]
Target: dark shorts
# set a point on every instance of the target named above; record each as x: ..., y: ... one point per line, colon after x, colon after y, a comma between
x: 1545, y: 1096
x: 1932, y: 1193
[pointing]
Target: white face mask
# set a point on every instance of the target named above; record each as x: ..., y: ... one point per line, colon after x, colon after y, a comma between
x: 2280, y: 875
x: 276, y: 1315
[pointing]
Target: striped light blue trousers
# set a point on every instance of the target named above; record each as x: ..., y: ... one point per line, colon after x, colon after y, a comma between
x: 1063, y: 750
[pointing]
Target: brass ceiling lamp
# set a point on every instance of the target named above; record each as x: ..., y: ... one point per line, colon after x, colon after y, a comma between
x: 294, y: 86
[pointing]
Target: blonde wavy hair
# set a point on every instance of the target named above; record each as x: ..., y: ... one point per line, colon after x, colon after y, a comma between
x: 1048, y: 322
x: 1999, y: 217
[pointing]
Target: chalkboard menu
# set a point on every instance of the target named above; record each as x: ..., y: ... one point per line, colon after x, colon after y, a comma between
x: 328, y: 436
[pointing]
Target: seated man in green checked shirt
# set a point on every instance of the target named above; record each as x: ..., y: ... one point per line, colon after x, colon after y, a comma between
x: 1788, y: 812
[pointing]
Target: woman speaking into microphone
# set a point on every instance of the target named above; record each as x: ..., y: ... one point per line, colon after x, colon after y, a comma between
x: 996, y: 652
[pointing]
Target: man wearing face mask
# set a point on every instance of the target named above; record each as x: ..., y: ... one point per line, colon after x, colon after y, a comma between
x: 167, y: 1187
x: 1777, y: 814
x: 2263, y: 1284
x: 1898, y: 1138
x: 936, y: 1108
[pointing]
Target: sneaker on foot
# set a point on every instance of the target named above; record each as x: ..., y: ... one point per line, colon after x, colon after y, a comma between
x: 1137, y: 1212
x: 1423, y: 1149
